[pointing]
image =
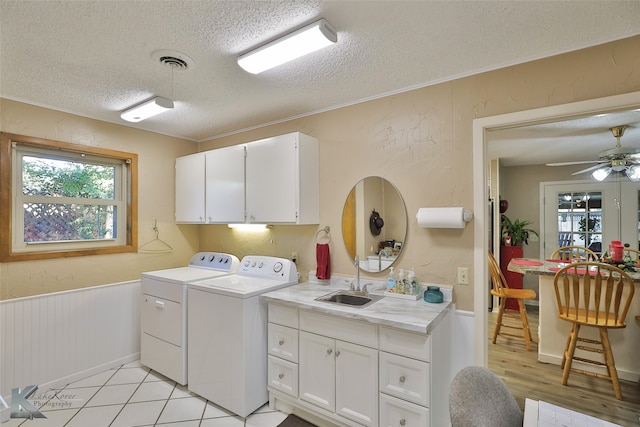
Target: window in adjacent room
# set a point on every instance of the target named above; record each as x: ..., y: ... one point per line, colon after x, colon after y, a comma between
x: 65, y: 199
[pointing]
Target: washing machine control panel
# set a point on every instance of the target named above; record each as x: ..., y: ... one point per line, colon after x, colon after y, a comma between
x: 266, y: 266
x: 215, y: 261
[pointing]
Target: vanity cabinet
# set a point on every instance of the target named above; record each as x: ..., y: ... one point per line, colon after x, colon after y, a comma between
x: 350, y: 372
x: 274, y: 180
x: 339, y: 366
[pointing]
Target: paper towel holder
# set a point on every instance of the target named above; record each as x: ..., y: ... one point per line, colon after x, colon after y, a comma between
x: 444, y: 217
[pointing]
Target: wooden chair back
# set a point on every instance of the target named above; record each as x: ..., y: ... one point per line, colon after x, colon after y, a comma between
x: 633, y: 253
x: 566, y: 253
x: 498, y: 281
x: 594, y: 294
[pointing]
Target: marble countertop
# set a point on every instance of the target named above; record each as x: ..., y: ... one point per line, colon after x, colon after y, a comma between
x: 409, y: 315
x: 547, y: 267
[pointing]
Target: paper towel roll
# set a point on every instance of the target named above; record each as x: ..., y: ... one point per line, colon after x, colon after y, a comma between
x: 443, y: 217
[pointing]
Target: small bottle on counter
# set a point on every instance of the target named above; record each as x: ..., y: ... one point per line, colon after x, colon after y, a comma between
x: 401, y: 282
x: 413, y: 282
x: 391, y: 281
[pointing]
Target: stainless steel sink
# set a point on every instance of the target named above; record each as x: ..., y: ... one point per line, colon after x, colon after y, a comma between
x: 350, y: 298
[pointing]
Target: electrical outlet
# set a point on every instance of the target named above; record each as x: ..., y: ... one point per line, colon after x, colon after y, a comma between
x: 463, y: 276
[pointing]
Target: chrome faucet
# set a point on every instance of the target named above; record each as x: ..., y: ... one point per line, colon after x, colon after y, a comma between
x: 380, y: 260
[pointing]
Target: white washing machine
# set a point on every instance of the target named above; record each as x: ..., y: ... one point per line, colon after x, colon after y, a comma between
x: 228, y: 333
x: 163, y: 345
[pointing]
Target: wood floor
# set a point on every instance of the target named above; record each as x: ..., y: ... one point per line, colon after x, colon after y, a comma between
x: 526, y: 377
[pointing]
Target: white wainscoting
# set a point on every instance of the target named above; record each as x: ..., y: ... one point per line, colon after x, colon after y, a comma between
x: 53, y: 339
x: 463, y: 340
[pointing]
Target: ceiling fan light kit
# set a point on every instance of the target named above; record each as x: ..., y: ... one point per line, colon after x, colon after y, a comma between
x: 617, y: 159
x: 301, y: 42
x: 147, y: 109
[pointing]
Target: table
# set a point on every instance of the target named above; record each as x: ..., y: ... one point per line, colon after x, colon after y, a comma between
x: 553, y: 332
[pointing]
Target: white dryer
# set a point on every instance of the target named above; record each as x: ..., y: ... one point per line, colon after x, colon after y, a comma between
x: 227, y: 325
x: 163, y: 345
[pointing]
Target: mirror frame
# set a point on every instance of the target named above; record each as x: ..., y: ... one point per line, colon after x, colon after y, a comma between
x: 368, y: 194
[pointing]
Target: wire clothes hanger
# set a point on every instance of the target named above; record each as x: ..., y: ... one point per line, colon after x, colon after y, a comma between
x: 157, y: 245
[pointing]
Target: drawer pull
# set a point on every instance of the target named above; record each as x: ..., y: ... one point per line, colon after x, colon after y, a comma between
x: 402, y: 422
x: 281, y: 342
x: 337, y: 353
x: 280, y: 376
x: 402, y: 378
x: 159, y: 304
x: 329, y: 351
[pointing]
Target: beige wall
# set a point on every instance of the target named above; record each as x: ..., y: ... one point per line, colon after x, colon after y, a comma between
x: 156, y: 158
x: 420, y: 141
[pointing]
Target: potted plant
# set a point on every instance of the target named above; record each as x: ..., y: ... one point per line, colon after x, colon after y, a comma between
x: 515, y: 233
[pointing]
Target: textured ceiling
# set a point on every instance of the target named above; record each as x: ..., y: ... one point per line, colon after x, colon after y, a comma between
x: 94, y: 58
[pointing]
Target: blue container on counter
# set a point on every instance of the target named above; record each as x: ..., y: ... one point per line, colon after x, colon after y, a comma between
x: 433, y: 294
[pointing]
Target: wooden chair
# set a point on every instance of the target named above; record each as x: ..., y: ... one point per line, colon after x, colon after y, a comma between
x: 566, y: 253
x: 633, y: 253
x: 596, y: 295
x: 500, y: 288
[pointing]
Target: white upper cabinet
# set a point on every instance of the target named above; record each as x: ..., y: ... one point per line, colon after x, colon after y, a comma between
x: 274, y: 180
x: 282, y: 181
x: 190, y: 188
x: 224, y: 188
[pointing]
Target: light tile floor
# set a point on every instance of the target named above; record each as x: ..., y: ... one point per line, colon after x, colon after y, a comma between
x: 134, y: 396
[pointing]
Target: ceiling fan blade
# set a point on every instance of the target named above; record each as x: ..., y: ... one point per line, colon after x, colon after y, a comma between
x: 589, y: 169
x: 583, y: 162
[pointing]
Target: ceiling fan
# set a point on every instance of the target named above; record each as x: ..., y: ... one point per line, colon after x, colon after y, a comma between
x: 617, y: 159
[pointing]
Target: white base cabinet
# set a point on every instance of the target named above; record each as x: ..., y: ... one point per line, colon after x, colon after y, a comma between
x: 353, y: 373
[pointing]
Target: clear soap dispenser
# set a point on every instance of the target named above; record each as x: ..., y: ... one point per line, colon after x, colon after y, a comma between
x: 411, y: 282
x: 391, y: 281
x: 400, y: 285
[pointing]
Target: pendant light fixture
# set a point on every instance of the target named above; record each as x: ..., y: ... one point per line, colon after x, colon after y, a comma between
x: 173, y: 60
x: 289, y: 47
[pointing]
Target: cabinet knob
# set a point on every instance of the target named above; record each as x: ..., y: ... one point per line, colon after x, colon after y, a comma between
x: 337, y: 353
x: 402, y: 378
x: 280, y: 376
x: 281, y: 342
x: 329, y: 351
x: 402, y: 422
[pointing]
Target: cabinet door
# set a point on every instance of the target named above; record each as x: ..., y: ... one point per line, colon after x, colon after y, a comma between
x: 190, y: 188
x: 272, y: 180
x: 225, y: 185
x: 317, y: 370
x: 357, y: 383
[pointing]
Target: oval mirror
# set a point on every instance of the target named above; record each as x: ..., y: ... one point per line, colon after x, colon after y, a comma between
x: 374, y: 223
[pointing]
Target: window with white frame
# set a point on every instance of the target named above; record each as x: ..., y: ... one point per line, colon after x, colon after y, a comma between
x: 66, y: 199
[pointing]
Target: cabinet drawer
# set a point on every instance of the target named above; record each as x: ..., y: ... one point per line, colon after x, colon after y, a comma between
x: 411, y: 344
x: 283, y: 315
x: 283, y: 376
x: 283, y: 342
x: 398, y: 413
x: 405, y: 378
x: 348, y: 330
x: 162, y: 318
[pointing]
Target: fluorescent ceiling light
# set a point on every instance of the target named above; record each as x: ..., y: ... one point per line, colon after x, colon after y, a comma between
x: 249, y: 227
x: 147, y: 109
x: 294, y: 45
